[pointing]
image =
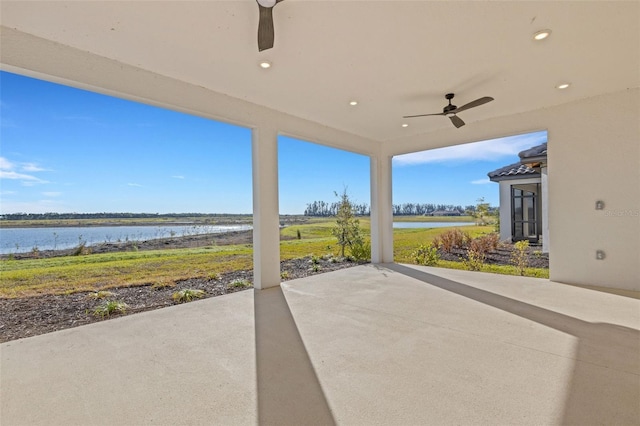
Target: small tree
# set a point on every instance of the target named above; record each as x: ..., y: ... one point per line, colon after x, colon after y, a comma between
x: 481, y: 212
x: 347, y: 228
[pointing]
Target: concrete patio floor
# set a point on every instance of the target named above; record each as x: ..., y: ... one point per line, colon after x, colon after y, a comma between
x: 391, y: 344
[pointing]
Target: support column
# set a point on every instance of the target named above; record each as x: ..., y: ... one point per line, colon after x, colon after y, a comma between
x: 266, y: 220
x: 381, y: 210
x: 544, y: 199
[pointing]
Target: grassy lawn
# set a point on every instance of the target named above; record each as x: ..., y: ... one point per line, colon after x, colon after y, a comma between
x: 93, y: 272
x: 433, y: 219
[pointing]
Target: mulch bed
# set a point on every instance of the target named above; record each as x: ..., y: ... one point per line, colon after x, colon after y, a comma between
x: 501, y: 256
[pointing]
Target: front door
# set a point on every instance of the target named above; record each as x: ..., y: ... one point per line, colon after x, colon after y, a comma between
x: 525, y: 212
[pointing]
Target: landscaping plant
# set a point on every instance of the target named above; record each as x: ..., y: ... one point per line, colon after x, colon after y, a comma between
x: 239, y: 283
x: 187, y: 295
x: 426, y: 255
x: 519, y: 256
x: 109, y: 307
x: 347, y: 228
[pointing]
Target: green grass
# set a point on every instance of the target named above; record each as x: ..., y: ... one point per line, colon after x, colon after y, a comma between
x: 433, y: 219
x: 100, y: 272
x: 110, y: 270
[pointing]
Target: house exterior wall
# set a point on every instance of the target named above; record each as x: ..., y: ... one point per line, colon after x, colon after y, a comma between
x: 544, y: 188
x: 505, y: 210
x: 594, y: 154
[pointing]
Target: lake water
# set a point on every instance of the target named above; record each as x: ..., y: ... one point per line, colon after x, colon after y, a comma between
x: 20, y: 240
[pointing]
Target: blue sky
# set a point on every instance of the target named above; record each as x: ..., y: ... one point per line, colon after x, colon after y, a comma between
x: 68, y: 150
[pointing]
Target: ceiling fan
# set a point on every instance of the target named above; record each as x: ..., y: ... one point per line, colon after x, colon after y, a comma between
x: 265, y: 26
x: 451, y: 110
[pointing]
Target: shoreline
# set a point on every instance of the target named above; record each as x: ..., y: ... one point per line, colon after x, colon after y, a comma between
x: 167, y: 243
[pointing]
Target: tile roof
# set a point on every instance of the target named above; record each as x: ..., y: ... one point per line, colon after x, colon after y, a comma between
x: 513, y: 171
x: 532, y: 156
x: 535, y: 152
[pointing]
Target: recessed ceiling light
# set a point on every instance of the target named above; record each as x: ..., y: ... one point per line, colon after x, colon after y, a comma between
x: 541, y: 35
x: 353, y: 103
x: 265, y: 64
x: 405, y: 125
x: 563, y: 86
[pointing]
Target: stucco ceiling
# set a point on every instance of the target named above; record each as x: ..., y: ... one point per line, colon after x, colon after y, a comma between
x: 394, y: 57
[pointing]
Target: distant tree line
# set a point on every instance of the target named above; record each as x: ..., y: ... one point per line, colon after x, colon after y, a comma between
x: 323, y: 208
x: 60, y: 216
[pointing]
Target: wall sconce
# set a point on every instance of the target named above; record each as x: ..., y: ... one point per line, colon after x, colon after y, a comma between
x: 599, y: 205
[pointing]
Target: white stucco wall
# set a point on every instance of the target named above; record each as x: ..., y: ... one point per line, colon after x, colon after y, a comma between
x: 544, y: 188
x: 594, y: 154
x: 505, y: 210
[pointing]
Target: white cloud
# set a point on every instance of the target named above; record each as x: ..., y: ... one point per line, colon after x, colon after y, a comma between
x: 491, y: 150
x: 178, y: 177
x: 27, y: 180
x: 7, y: 193
x: 32, y: 167
x: 7, y: 172
x: 134, y: 184
x: 52, y: 194
x: 5, y: 164
x: 481, y: 181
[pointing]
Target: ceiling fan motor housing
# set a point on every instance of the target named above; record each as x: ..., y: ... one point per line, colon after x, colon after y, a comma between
x: 449, y: 107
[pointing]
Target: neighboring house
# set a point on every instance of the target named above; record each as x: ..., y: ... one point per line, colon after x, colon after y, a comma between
x: 523, y: 198
x: 445, y: 213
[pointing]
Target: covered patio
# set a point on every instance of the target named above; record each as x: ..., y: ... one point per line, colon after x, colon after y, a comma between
x: 375, y: 344
x: 384, y: 343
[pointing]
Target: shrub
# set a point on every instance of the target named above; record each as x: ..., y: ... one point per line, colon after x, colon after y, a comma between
x: 239, y: 283
x: 361, y: 250
x: 103, y: 294
x: 110, y: 307
x: 315, y: 267
x: 476, y: 254
x: 315, y: 260
x: 426, y: 255
x: 519, y: 256
x: 453, y: 238
x: 486, y: 243
x: 187, y: 295
x: 284, y: 275
x: 81, y: 249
